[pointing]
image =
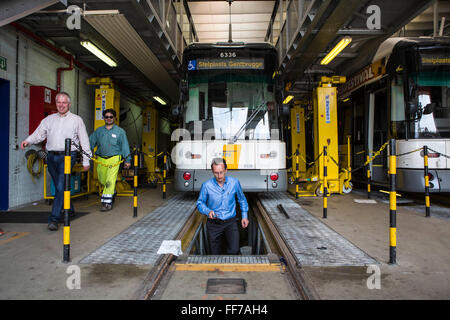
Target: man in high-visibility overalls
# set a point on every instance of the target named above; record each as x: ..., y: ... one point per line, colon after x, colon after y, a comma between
x: 112, y: 146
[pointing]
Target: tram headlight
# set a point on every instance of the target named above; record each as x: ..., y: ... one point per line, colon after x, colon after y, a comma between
x: 274, y: 185
x: 187, y: 176
x: 430, y: 176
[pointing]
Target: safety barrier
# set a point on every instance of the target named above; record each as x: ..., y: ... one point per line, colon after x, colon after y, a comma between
x: 425, y: 150
x: 392, y: 183
x: 134, y: 194
x: 164, y: 154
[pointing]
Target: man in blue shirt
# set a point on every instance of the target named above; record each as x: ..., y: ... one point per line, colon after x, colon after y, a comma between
x: 217, y: 202
x: 112, y: 145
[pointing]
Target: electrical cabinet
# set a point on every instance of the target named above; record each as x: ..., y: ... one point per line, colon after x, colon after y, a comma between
x: 42, y: 104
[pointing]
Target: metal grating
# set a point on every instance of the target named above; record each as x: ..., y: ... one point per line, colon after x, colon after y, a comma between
x: 139, y: 243
x: 312, y: 242
x: 227, y: 260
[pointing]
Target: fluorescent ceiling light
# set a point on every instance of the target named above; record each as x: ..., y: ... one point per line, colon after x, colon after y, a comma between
x: 160, y: 100
x: 96, y: 51
x: 288, y: 98
x: 335, y: 51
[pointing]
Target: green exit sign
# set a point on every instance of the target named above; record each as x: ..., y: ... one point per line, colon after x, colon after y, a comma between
x: 2, y: 63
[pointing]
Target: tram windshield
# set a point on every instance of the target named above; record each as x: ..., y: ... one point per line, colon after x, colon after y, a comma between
x: 433, y: 95
x: 226, y: 102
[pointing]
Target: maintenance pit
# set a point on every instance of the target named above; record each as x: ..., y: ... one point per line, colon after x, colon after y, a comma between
x: 244, y: 276
x: 255, y: 250
x: 252, y: 240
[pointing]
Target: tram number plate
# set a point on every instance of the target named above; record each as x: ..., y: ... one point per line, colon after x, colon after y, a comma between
x: 228, y: 54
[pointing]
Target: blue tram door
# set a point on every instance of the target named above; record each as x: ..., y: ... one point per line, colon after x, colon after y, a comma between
x: 4, y: 144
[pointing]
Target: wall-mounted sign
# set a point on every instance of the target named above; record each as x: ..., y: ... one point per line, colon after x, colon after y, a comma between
x: 3, y: 63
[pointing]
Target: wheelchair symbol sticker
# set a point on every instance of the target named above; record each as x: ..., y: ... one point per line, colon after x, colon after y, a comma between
x: 192, y: 65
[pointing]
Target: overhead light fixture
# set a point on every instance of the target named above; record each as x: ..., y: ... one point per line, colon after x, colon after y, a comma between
x: 160, y: 100
x: 335, y: 51
x: 97, y: 52
x: 288, y: 98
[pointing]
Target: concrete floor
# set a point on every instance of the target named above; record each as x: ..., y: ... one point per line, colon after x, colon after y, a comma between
x: 31, y: 262
x: 191, y: 285
x: 32, y: 268
x: 423, y: 250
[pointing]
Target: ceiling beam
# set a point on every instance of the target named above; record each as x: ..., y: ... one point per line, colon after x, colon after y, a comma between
x: 12, y: 10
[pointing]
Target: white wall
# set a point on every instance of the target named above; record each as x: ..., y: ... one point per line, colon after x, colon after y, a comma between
x: 37, y: 66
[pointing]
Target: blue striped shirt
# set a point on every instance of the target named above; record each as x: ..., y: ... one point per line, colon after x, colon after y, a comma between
x: 221, y: 200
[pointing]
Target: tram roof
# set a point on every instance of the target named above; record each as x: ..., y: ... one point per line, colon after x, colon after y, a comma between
x: 389, y: 45
x: 200, y: 45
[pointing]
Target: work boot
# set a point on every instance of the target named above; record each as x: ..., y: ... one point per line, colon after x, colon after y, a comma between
x: 106, y: 207
x: 52, y: 226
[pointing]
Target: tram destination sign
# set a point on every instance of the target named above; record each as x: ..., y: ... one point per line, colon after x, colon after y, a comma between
x: 434, y: 59
x: 209, y: 64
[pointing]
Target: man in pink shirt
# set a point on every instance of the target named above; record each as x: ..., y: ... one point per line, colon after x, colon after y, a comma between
x: 56, y: 128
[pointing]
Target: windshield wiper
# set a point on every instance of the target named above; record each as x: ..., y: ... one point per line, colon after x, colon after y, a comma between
x: 244, y: 126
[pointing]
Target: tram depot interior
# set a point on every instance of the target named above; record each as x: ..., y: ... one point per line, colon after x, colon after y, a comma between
x: 280, y: 89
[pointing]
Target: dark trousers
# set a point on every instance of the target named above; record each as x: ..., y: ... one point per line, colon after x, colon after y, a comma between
x: 218, y: 231
x: 55, y: 164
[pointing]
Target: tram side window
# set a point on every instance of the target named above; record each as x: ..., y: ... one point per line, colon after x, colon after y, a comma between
x: 442, y: 113
x: 398, y: 127
x: 434, y: 121
x: 197, y: 109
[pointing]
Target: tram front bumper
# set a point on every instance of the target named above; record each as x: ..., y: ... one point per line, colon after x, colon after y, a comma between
x: 251, y: 180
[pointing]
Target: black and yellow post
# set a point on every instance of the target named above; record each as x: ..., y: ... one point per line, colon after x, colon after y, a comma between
x: 67, y: 172
x: 427, y: 181
x: 368, y: 176
x: 392, y: 203
x: 296, y: 173
x: 135, y: 185
x: 325, y: 182
x: 164, y: 175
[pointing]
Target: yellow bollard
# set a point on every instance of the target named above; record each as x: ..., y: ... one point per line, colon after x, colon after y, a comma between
x: 296, y: 174
x: 67, y: 172
x: 135, y: 184
x: 427, y: 181
x: 325, y: 183
x: 368, y: 176
x: 392, y: 204
x: 164, y: 176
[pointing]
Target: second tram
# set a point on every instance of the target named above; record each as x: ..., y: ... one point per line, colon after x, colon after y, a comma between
x: 404, y: 95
